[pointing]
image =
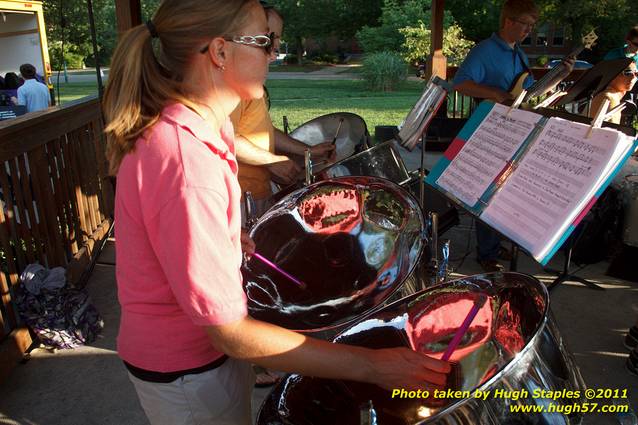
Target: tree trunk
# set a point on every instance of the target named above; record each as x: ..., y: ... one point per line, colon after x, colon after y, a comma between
x: 300, y: 50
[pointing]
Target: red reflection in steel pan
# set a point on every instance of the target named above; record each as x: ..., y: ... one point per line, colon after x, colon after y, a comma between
x: 433, y: 324
x: 331, y: 212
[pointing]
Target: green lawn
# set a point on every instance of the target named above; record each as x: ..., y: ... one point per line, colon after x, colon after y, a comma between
x: 295, y: 68
x: 303, y: 100
x: 73, y: 91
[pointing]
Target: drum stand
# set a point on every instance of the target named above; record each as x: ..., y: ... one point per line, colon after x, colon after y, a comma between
x: 433, y: 218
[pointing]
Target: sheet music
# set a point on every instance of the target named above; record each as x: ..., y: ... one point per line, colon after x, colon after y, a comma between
x: 553, y: 182
x: 487, y: 152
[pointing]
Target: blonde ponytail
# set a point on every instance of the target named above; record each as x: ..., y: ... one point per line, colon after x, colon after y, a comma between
x: 141, y: 84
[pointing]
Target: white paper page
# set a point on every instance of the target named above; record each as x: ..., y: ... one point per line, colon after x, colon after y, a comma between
x: 554, y: 181
x: 487, y: 152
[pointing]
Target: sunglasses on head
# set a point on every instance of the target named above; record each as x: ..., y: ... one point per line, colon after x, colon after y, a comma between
x: 260, y: 41
x: 630, y: 73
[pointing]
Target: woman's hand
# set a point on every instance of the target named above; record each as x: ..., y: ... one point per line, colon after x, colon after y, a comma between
x: 398, y: 368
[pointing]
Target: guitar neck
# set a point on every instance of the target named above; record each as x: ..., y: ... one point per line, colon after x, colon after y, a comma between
x: 553, y: 73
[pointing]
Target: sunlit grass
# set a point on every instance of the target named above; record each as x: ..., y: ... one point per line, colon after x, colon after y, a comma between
x: 303, y: 100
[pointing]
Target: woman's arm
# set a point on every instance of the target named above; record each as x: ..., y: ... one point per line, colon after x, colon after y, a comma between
x: 280, y: 349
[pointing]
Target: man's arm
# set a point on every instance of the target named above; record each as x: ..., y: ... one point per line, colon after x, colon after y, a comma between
x: 280, y: 166
x: 285, y: 143
x: 22, y: 99
x: 470, y: 88
x: 250, y: 154
x: 280, y: 349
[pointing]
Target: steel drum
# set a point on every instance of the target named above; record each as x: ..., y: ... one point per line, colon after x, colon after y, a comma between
x: 353, y: 133
x: 352, y: 241
x: 512, y: 344
x: 382, y: 160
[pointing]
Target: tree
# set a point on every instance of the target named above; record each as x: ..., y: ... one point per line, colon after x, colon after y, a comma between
x: 611, y: 19
x: 478, y: 19
x: 321, y: 18
x: 67, y: 23
x: 417, y: 44
x: 394, y: 16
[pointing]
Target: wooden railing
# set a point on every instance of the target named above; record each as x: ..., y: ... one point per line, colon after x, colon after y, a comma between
x: 57, y: 202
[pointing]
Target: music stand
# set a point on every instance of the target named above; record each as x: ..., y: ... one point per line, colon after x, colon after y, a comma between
x: 586, y: 87
x: 594, y: 81
x: 413, y: 130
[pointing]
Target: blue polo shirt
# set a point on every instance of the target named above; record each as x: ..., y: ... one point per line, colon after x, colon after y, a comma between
x: 494, y: 63
x: 619, y: 53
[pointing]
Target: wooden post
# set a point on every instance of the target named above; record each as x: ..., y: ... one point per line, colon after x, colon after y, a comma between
x: 437, y: 63
x: 128, y: 14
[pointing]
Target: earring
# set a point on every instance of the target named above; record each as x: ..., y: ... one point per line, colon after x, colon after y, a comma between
x: 222, y: 67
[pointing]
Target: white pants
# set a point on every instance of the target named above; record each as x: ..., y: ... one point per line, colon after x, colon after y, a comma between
x: 221, y: 396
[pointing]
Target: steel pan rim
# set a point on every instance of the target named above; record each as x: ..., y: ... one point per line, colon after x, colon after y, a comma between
x: 381, y: 305
x: 333, y: 114
x: 360, y: 154
x: 511, y: 364
x: 542, y: 324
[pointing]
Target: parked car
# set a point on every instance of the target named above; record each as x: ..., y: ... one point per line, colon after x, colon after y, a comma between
x: 578, y: 65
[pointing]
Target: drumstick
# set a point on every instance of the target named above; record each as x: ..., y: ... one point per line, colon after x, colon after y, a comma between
x: 277, y: 268
x: 478, y: 303
x: 334, y: 139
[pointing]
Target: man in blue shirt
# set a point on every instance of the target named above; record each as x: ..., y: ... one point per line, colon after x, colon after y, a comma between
x: 629, y: 50
x: 489, y: 72
x: 492, y: 66
x: 33, y: 94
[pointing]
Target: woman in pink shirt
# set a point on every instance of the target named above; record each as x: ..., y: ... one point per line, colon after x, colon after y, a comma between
x: 185, y: 336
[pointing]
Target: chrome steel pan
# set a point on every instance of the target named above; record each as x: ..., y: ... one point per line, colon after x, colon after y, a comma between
x: 382, y: 160
x: 353, y: 133
x: 352, y: 241
x: 512, y: 344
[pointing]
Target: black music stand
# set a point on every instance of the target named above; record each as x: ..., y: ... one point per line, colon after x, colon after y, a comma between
x: 594, y: 81
x: 565, y: 275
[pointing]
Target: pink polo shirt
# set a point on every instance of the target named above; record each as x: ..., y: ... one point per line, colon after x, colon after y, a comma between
x: 178, y: 252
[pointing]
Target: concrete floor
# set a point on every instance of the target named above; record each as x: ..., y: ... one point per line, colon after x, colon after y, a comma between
x: 89, y: 385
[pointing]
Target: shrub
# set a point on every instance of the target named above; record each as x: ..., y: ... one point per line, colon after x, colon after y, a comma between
x: 290, y: 59
x: 73, y: 60
x: 384, y: 71
x: 325, y: 58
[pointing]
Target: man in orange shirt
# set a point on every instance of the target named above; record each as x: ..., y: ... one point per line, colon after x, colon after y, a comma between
x: 256, y: 144
x: 257, y: 141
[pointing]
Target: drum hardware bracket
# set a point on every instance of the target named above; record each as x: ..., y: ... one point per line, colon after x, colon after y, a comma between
x: 249, y: 205
x: 308, y: 164
x: 367, y: 414
x: 286, y: 125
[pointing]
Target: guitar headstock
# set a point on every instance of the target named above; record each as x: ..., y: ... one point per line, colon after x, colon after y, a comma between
x: 589, y: 40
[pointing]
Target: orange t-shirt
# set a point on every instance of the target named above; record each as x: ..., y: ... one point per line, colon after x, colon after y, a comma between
x: 252, y: 121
